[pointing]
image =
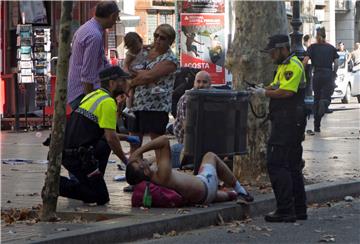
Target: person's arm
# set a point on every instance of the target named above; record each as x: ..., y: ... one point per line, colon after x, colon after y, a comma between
x: 114, y: 143
x: 336, y: 65
x: 201, y: 43
x: 89, y: 69
x: 144, y: 77
x: 307, y: 55
x: 336, y: 61
x: 278, y: 93
x: 129, y: 58
x: 161, y: 144
x: 305, y: 60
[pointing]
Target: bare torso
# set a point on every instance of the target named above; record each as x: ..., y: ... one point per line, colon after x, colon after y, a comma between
x: 190, y: 187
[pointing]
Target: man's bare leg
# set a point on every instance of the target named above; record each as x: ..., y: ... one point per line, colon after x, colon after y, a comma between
x: 222, y: 170
x: 225, y: 175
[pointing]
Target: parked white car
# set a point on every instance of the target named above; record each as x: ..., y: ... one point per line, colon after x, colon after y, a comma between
x: 347, y: 83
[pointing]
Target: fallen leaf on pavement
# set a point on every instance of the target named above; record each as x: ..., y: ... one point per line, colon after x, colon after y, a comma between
x: 235, y: 230
x: 77, y: 219
x: 31, y: 222
x: 172, y: 233
x: 23, y: 214
x: 9, y: 220
x: 267, y: 229
x: 318, y: 231
x: 266, y: 234
x: 62, y: 229
x: 220, y: 220
x: 247, y: 220
x: 156, y: 236
x: 37, y: 207
x: 82, y: 210
x: 255, y: 227
x: 182, y: 211
x: 327, y: 238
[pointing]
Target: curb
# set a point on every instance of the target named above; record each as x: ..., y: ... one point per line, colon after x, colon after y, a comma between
x: 135, y: 228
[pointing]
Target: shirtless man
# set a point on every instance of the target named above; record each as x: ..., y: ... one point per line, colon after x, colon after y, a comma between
x: 199, y: 189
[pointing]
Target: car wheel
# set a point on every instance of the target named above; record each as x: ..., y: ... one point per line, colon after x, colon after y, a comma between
x: 347, y: 97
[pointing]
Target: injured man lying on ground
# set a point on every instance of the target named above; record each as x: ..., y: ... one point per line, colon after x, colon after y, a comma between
x: 199, y: 189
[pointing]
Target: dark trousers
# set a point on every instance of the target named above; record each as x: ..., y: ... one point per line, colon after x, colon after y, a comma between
x: 285, y: 172
x: 323, y: 86
x: 88, y: 189
x: 285, y: 165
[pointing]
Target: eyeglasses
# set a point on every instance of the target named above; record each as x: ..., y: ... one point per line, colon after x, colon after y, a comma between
x: 202, y: 81
x: 163, y: 38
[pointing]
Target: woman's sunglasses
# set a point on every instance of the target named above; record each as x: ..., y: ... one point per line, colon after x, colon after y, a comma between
x: 163, y: 38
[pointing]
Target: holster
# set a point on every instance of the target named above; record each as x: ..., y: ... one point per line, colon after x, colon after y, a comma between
x: 85, y: 155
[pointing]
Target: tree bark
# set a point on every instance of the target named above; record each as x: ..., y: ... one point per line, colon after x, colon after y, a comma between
x: 255, y: 22
x: 50, y: 191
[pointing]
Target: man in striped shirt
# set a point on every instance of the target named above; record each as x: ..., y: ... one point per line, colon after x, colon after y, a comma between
x: 87, y: 54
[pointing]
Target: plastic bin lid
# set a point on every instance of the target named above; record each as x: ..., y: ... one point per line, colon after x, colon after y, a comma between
x: 216, y: 93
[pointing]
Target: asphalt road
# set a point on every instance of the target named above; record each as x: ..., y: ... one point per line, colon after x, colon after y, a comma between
x: 328, y: 223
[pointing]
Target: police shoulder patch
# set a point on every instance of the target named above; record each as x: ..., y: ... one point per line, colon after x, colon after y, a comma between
x: 288, y: 75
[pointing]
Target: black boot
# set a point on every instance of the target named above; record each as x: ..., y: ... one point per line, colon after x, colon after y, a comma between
x: 277, y: 217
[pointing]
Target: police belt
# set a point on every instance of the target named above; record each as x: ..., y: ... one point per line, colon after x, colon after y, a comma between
x: 281, y: 114
x: 77, y: 152
x: 317, y: 69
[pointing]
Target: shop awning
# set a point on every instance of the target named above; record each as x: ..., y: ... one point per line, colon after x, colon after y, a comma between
x: 129, y: 20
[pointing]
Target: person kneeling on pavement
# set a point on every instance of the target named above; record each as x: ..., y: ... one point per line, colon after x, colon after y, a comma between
x: 199, y: 189
x: 90, y: 135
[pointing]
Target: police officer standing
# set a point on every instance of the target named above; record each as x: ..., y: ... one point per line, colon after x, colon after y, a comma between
x: 286, y: 113
x: 90, y: 136
x: 322, y: 56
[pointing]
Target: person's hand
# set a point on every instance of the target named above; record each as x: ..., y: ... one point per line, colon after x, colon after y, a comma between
x: 134, y: 140
x: 121, y: 99
x: 257, y: 91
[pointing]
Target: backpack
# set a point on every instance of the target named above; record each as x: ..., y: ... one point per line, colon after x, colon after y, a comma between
x: 162, y: 197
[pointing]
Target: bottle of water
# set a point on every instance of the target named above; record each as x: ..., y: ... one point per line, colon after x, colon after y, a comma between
x: 147, y: 198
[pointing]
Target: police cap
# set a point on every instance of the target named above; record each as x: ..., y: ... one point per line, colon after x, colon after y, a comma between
x: 112, y: 73
x: 276, y: 41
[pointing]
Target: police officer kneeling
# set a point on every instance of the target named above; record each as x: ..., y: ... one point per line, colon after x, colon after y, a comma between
x: 284, y: 152
x: 90, y: 136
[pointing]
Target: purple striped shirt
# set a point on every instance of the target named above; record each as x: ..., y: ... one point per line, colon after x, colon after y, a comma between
x: 87, y: 58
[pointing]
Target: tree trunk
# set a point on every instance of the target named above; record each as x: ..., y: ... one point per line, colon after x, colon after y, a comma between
x: 255, y: 22
x: 50, y: 191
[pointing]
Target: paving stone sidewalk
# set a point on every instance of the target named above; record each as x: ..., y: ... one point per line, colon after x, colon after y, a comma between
x: 330, y: 156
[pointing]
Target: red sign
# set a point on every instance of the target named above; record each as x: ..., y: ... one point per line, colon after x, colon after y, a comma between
x: 202, y: 20
x: 202, y: 44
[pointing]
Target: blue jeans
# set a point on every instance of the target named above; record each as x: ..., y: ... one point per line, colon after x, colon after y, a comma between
x: 175, y: 155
